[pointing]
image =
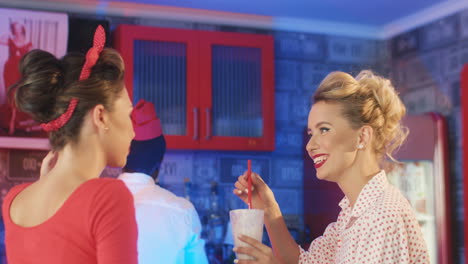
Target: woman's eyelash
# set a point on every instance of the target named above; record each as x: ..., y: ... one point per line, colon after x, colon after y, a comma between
x: 322, y: 130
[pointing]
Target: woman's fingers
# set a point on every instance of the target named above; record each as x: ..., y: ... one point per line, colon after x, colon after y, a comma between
x: 240, y: 194
x: 250, y: 251
x: 242, y: 189
x: 256, y: 244
x: 244, y: 181
x: 239, y: 185
x: 261, y: 253
x: 256, y: 179
x: 239, y: 190
x: 242, y: 185
x: 245, y: 261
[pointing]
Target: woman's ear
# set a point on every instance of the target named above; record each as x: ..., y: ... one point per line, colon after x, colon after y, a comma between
x: 100, y: 117
x: 365, y: 136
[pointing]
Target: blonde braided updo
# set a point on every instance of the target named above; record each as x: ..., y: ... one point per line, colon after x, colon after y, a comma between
x: 371, y: 100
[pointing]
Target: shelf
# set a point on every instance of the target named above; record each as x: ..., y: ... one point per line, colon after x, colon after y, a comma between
x: 24, y: 143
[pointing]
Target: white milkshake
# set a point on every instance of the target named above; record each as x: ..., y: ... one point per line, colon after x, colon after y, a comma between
x: 247, y: 222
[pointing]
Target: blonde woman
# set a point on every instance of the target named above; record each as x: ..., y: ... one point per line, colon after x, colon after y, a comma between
x: 354, y: 126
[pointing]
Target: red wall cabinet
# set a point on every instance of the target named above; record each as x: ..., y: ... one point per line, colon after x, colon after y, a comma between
x: 212, y: 90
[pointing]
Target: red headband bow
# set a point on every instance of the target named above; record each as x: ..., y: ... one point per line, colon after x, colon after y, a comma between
x: 91, y: 58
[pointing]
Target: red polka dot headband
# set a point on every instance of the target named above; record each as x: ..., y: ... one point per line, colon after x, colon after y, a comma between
x: 91, y: 58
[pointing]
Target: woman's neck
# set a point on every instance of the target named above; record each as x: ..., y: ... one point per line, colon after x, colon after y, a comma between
x: 77, y: 163
x: 356, y: 178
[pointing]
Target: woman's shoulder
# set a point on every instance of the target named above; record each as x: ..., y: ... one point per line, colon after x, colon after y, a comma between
x: 105, y: 187
x: 15, y: 190
x: 110, y: 197
x: 105, y: 183
x: 393, y: 204
x: 12, y: 193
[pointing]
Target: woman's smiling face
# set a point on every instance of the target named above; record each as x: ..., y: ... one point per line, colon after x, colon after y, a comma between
x: 332, y: 141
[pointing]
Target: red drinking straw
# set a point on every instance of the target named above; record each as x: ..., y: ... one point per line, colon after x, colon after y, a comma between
x: 249, y: 172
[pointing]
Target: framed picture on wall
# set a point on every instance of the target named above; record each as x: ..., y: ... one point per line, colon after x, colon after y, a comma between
x: 20, y: 32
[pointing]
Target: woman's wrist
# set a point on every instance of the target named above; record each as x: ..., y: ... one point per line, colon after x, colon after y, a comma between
x: 272, y: 212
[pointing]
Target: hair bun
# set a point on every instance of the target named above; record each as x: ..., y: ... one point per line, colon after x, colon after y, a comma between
x: 391, y: 134
x: 41, y: 82
x: 384, y: 93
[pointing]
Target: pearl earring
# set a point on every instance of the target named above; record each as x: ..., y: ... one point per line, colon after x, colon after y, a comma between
x: 361, y: 146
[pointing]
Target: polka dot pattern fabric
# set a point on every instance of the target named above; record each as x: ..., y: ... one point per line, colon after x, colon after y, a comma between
x: 380, y: 228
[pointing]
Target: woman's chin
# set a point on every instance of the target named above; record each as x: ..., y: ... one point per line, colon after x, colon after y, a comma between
x: 117, y: 163
x: 320, y: 175
x: 121, y: 164
x: 324, y: 176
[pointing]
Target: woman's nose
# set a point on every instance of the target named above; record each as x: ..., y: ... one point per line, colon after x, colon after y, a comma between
x: 311, y: 144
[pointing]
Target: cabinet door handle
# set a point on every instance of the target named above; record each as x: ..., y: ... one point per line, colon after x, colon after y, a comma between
x: 208, y: 123
x: 195, y: 123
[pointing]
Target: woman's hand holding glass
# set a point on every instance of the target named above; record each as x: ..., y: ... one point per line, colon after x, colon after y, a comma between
x: 262, y: 254
x: 263, y: 199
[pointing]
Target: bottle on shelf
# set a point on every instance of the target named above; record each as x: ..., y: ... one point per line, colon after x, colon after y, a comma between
x: 215, y: 225
x: 187, y: 189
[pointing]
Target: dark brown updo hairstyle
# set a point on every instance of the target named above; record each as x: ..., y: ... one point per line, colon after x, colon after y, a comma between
x: 371, y: 100
x: 48, y: 84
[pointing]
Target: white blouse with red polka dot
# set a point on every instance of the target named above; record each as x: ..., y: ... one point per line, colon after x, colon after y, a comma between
x: 380, y: 228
